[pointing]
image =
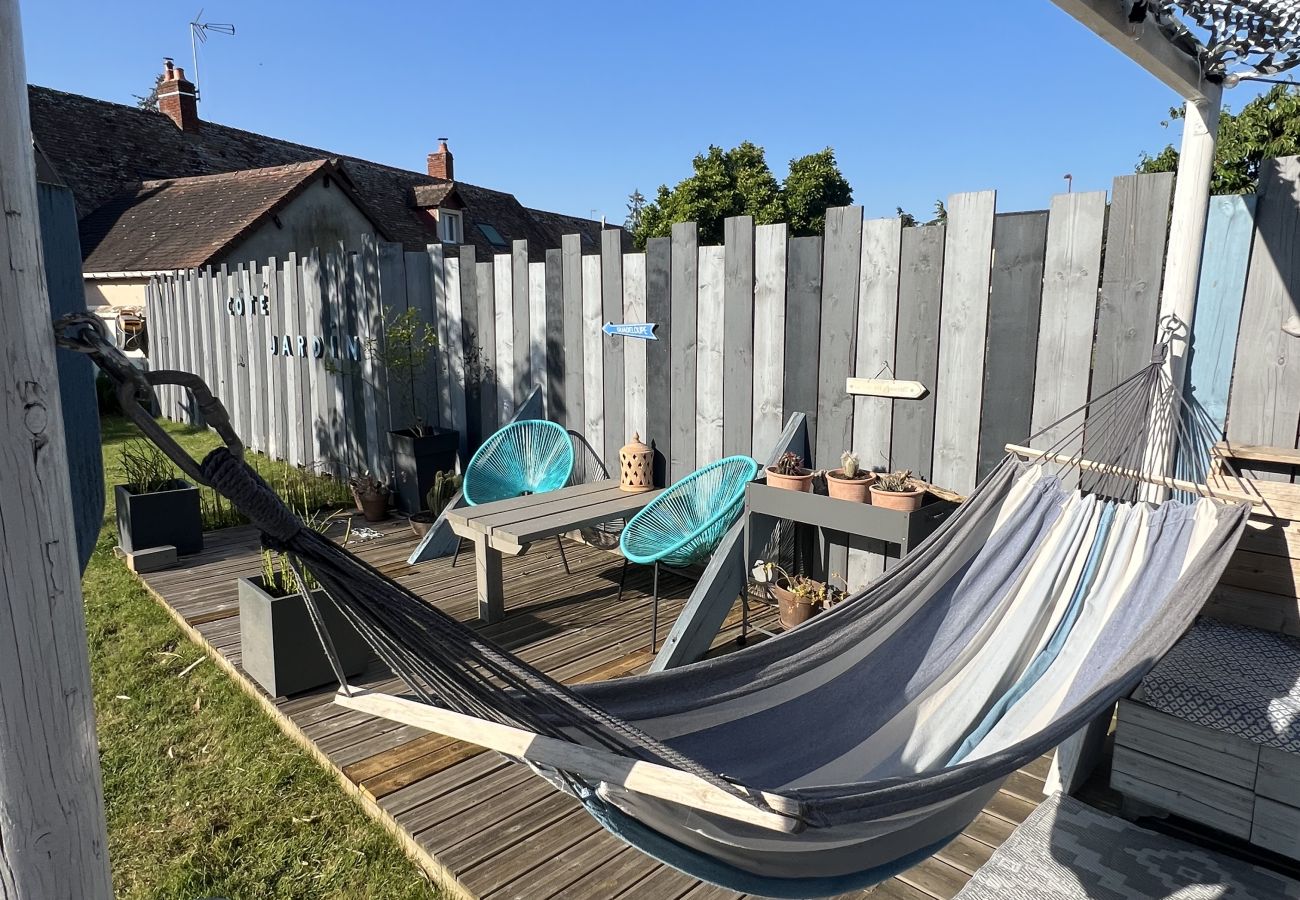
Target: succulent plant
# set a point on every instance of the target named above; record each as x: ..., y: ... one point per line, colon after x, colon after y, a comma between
x: 895, y: 482
x: 849, y: 460
x: 790, y: 463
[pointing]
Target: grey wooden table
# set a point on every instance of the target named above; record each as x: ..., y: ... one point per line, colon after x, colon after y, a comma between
x: 510, y: 527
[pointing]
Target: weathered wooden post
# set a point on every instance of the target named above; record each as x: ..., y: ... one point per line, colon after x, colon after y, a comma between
x: 53, y: 839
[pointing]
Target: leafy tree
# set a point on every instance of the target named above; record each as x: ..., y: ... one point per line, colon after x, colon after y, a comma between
x: 149, y: 101
x: 635, y: 207
x: 1266, y: 127
x: 738, y: 182
x: 911, y: 221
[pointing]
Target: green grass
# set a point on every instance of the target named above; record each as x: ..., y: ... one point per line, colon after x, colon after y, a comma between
x: 205, y: 795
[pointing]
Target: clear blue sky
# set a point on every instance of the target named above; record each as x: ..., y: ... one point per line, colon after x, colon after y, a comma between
x: 572, y: 105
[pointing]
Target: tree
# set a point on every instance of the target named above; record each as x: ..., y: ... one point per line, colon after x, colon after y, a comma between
x: 911, y: 221
x: 1266, y: 127
x: 149, y: 101
x: 738, y: 182
x: 635, y: 207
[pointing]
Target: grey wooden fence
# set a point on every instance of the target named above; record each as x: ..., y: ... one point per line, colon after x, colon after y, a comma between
x: 1009, y: 319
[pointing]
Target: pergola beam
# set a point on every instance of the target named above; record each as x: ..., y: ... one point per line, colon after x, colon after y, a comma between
x: 1150, y: 49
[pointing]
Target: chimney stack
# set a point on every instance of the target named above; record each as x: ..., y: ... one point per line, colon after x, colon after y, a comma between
x: 440, y: 162
x: 176, y: 98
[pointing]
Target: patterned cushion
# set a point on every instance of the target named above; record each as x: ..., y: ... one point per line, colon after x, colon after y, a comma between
x: 1234, y: 679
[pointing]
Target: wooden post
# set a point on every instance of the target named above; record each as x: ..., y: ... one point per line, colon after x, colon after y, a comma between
x: 53, y: 838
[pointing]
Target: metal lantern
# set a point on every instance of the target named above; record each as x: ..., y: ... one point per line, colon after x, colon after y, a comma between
x: 636, y: 466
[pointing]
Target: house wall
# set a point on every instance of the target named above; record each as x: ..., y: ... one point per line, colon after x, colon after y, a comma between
x: 117, y: 293
x: 321, y: 216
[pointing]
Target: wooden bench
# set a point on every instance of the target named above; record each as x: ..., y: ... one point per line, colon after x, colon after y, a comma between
x: 1218, y: 779
x: 510, y: 527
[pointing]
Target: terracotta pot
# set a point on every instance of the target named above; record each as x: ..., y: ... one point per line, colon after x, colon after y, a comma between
x: 854, y: 489
x: 374, y: 507
x: 800, y: 482
x: 903, y: 501
x: 791, y: 610
x: 421, y: 523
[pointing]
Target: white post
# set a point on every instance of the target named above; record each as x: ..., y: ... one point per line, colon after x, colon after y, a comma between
x: 53, y: 840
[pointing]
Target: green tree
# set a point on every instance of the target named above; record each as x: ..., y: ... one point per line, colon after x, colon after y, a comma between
x: 149, y: 101
x: 1266, y: 127
x: 738, y: 182
x: 635, y: 207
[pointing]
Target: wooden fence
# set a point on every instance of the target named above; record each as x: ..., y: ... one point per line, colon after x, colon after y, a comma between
x: 1009, y: 319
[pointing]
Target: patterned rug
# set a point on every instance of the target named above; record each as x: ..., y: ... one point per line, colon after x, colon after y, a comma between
x: 1068, y: 851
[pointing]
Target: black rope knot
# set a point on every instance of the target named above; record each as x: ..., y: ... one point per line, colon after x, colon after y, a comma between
x: 248, y: 493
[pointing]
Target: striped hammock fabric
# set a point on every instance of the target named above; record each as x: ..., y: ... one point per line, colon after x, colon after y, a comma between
x: 894, y: 717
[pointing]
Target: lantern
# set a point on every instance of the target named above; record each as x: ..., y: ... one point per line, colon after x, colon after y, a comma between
x: 636, y: 464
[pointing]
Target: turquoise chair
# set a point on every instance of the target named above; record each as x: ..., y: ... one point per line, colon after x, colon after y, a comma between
x: 528, y: 457
x: 685, y: 524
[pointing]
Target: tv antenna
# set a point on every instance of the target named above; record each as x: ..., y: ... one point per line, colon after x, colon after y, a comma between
x: 199, y: 31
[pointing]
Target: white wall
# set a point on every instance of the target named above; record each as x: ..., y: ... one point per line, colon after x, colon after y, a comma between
x: 320, y: 216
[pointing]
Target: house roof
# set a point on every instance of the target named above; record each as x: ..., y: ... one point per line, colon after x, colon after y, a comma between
x: 180, y: 223
x: 102, y: 150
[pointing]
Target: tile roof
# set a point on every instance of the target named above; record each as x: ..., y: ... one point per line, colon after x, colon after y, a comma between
x: 102, y: 149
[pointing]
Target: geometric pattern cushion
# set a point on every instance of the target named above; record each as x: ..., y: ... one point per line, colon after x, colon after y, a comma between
x: 1232, y: 678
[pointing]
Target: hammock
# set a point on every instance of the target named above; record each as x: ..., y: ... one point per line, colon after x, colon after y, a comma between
x: 844, y: 751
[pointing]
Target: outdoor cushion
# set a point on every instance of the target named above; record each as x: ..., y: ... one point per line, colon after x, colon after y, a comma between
x: 1232, y: 678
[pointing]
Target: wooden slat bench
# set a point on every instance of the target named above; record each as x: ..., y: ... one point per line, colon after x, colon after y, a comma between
x: 510, y: 527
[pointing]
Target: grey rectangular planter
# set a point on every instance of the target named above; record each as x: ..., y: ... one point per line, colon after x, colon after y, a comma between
x: 417, y: 459
x: 160, y: 518
x: 279, y: 645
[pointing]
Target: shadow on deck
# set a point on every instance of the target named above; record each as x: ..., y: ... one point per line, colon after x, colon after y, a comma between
x: 474, y: 821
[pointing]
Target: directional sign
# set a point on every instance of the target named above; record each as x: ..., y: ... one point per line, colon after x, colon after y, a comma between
x: 643, y: 330
x: 886, y: 387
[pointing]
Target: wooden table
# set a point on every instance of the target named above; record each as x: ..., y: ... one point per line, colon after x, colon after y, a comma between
x: 511, y: 526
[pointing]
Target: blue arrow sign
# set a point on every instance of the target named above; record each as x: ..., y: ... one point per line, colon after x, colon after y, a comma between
x: 643, y: 330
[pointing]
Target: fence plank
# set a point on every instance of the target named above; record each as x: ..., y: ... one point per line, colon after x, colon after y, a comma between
x: 184, y: 328
x: 315, y: 324
x: 384, y: 290
x: 1015, y: 298
x: 522, y: 330
x: 574, y: 333
x: 634, y: 353
x: 1264, y: 406
x: 472, y: 349
x: 557, y: 400
x: 611, y: 291
x: 504, y: 311
x: 1127, y: 309
x: 489, y: 375
x: 456, y: 374
x: 278, y: 408
x: 594, y: 362
x: 803, y: 286
x: 920, y: 282
x: 412, y: 395
x: 1219, y: 298
x: 1070, y: 274
x: 738, y: 336
x: 258, y: 371
x: 684, y: 306
x: 841, y: 260
x: 537, y: 331
x: 239, y: 332
x: 205, y: 341
x: 298, y: 414
x: 220, y: 292
x: 659, y: 378
x: 769, y: 336
x: 709, y: 361
x: 963, y: 324
x: 439, y: 367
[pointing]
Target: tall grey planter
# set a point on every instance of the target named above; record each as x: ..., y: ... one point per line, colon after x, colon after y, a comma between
x: 160, y: 518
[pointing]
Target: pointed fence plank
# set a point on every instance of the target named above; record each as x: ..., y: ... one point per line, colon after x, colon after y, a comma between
x: 738, y: 336
x: 521, y: 309
x: 769, y: 335
x: 709, y: 359
x: 685, y: 307
x: 841, y: 262
x: 473, y: 347
x: 1065, y: 335
x: 1015, y: 299
x: 507, y: 362
x: 441, y: 362
x: 376, y: 303
x: 593, y: 353
x: 659, y: 371
x: 803, y: 286
x: 963, y: 324
x: 920, y: 282
x: 297, y: 387
x: 553, y: 331
x: 484, y: 284
x: 634, y: 353
x: 611, y: 292
x: 574, y: 334
x: 454, y: 352
x: 258, y: 374
x: 407, y: 390
x: 278, y: 410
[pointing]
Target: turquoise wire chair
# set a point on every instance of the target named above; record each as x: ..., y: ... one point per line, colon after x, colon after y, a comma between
x: 532, y: 456
x: 685, y: 524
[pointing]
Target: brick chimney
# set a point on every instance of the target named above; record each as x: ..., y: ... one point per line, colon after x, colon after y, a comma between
x: 440, y: 162
x: 176, y: 98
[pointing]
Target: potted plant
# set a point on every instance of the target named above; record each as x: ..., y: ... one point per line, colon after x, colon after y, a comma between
x: 420, y: 450
x: 155, y: 507
x: 798, y: 597
x: 445, y: 486
x: 789, y: 473
x: 897, y: 490
x: 850, y: 481
x: 371, y: 495
x: 279, y: 645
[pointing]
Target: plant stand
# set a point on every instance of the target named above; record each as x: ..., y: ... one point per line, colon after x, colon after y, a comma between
x: 417, y: 459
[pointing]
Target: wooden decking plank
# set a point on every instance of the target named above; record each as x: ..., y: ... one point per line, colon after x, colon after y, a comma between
x: 434, y: 813
x: 504, y: 835
x: 895, y: 889
x: 564, y: 869
x: 664, y: 883
x: 614, y: 876
x: 1025, y: 786
x: 478, y: 818
x: 1009, y: 807
x: 936, y: 878
x: 408, y: 799
x: 965, y: 853
x: 989, y: 830
x: 558, y: 836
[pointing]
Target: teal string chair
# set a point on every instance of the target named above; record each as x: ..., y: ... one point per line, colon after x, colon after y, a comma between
x: 528, y: 457
x: 685, y: 524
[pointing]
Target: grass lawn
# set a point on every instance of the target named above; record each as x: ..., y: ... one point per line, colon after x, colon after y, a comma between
x: 205, y: 796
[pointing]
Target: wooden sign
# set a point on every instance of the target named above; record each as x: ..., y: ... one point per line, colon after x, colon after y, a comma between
x: 643, y: 330
x: 886, y: 387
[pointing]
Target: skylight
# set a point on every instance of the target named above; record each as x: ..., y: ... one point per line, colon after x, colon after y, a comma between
x: 494, y: 237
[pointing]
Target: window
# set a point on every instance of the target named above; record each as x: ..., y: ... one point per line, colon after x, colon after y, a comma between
x: 494, y: 237
x: 449, y: 226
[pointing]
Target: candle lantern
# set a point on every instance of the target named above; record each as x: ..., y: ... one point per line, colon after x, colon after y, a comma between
x: 636, y: 466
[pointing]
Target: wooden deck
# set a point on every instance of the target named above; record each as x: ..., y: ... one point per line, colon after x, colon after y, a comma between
x: 477, y: 823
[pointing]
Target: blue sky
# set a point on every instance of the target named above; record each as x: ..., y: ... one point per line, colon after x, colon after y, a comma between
x: 571, y: 106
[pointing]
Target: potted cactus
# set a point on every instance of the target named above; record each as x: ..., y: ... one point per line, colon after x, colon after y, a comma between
x: 850, y: 481
x: 155, y: 507
x: 790, y: 474
x: 798, y: 597
x: 371, y: 495
x: 445, y: 486
x: 897, y: 490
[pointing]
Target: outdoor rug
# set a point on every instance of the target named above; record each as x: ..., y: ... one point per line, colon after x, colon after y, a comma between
x: 1068, y: 851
